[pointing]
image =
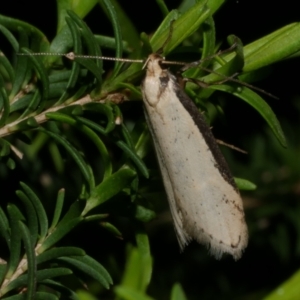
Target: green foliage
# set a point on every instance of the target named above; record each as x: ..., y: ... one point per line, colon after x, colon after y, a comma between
x: 71, y: 107
x: 36, y: 265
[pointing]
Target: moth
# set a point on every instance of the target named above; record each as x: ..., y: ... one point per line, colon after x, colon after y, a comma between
x: 204, y: 200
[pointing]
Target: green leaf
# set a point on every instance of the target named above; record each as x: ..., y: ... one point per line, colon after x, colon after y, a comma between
x: 244, y: 184
x: 42, y: 73
x: 26, y: 124
x: 31, y: 262
x: 16, y: 297
x: 45, y: 296
x: 31, y: 122
x: 9, y: 36
x: 182, y: 28
x: 138, y: 267
x: 6, y: 68
x: 85, y: 295
x: 69, y: 110
x: 32, y: 220
x: 128, y: 30
x: 75, y: 71
x: 91, y: 267
x: 81, y: 8
x: 67, y: 292
x: 143, y: 144
x: 59, y: 89
x: 145, y: 258
x: 224, y: 68
x: 111, y: 12
x: 134, y: 157
x: 213, y: 5
x: 10, y: 163
x: 59, y: 252
x: 131, y: 294
x: 111, y: 228
x: 5, y: 148
x: 40, y: 276
x: 89, y: 133
x: 91, y: 66
x: 40, y: 211
x: 209, y: 46
x: 92, y: 125
x: 20, y: 104
x: 165, y: 24
x: 62, y: 43
x: 4, y: 226
x: 147, y: 48
x: 163, y: 7
x: 59, y: 233
x: 257, y: 103
x: 126, y: 134
x: 62, y: 77
x: 32, y: 105
x: 57, y: 158
x: 58, y: 209
x: 38, y: 39
x: 62, y: 90
x: 95, y: 66
x: 110, y: 43
x: 109, y: 188
x: 177, y: 292
x: 95, y: 217
x: 289, y: 290
x: 5, y: 108
x: 274, y: 47
x: 104, y: 109
x: 87, y: 35
x: 74, y: 211
x: 75, y: 35
x: 3, y: 267
x: 21, y: 69
x: 72, y: 151
x: 15, y: 238
x: 144, y: 214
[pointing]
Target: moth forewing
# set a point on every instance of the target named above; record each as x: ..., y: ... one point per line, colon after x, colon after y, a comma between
x: 204, y: 200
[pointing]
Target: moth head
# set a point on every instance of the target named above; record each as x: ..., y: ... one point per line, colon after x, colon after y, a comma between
x: 154, y: 65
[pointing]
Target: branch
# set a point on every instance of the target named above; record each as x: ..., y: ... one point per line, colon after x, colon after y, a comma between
x: 41, y: 118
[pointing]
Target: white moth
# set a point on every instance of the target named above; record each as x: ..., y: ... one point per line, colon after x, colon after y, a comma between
x: 205, y: 203
x: 204, y: 200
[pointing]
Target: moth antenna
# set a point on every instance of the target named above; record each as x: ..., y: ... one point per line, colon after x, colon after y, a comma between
x: 232, y: 79
x: 41, y: 54
x: 72, y: 56
x: 198, y: 62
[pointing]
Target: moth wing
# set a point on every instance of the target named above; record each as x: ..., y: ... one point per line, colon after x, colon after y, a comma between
x: 182, y: 236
